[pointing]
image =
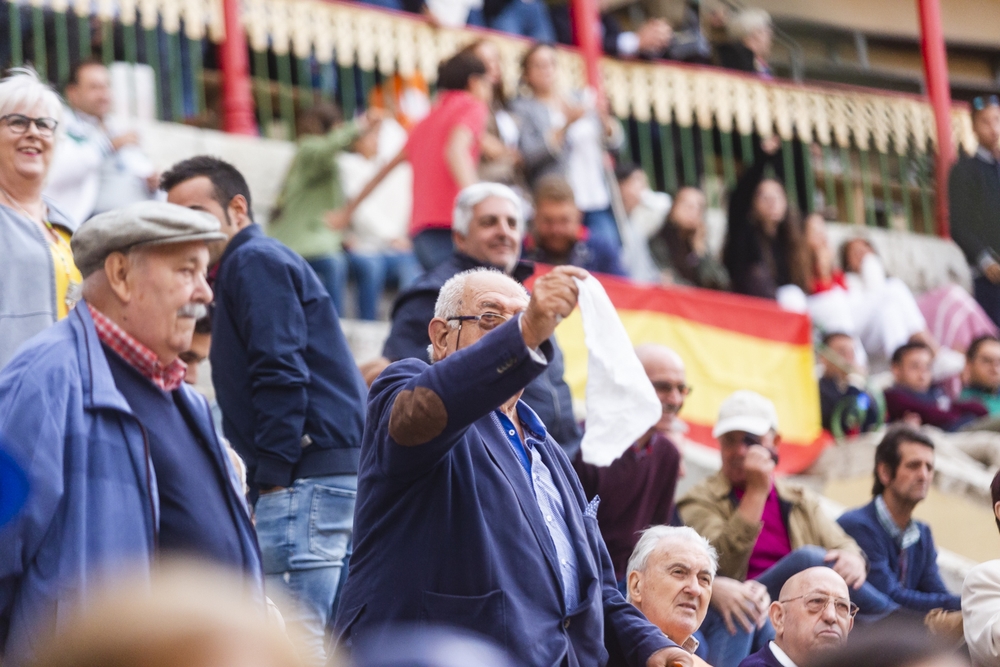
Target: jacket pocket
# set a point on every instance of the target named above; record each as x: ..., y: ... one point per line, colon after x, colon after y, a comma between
x: 484, y: 614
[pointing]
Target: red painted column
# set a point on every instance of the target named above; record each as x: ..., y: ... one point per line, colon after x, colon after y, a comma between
x: 939, y: 92
x: 586, y: 33
x: 234, y: 63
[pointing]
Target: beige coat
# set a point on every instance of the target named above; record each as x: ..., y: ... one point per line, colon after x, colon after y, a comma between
x: 709, y: 509
x: 981, y: 613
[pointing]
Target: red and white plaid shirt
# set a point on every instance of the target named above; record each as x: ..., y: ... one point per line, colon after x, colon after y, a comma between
x: 140, y: 357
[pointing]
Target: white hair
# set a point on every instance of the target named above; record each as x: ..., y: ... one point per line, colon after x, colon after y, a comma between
x: 747, y: 22
x: 22, y: 91
x: 654, y: 535
x: 449, y: 301
x: 477, y: 193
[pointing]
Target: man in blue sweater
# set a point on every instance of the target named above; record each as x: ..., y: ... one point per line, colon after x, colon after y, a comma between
x: 292, y: 398
x: 900, y: 550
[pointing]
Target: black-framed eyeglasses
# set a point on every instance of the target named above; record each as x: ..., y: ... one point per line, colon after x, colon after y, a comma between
x: 668, y: 387
x: 487, y: 322
x: 983, y: 101
x: 815, y: 604
x: 19, y: 124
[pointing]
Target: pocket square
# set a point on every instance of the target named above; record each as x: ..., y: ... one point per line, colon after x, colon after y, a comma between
x: 591, y: 509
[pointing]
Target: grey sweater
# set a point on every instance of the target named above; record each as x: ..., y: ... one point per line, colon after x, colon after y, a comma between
x: 27, y: 278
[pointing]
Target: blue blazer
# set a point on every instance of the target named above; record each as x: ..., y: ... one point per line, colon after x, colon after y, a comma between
x: 93, y: 508
x: 449, y: 531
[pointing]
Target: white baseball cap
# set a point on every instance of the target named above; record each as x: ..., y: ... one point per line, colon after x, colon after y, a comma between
x: 748, y: 411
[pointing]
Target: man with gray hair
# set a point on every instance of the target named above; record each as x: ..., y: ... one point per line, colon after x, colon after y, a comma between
x: 487, y: 228
x: 468, y: 513
x: 670, y: 577
x: 123, y: 461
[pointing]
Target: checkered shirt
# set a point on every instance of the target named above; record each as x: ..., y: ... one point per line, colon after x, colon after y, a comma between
x: 140, y: 357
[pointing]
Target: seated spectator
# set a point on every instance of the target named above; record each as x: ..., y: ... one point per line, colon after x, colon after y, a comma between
x: 379, y: 250
x: 846, y: 409
x: 914, y: 399
x: 679, y: 246
x: 812, y: 616
x: 893, y: 644
x: 652, y: 39
x: 670, y: 576
x: 645, y: 211
x: 488, y: 229
x: 637, y: 489
x: 528, y: 18
x: 981, y: 602
x: 982, y: 374
x: 751, y: 33
x: 569, y: 136
x: 765, y: 249
x: 312, y: 188
x: 902, y: 560
x: 443, y: 150
x: 765, y: 528
x: 197, y: 352
x: 558, y: 235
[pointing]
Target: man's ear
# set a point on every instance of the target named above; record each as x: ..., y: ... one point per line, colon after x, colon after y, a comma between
x: 632, y: 585
x: 777, y: 615
x: 884, y: 474
x: 438, y: 331
x: 239, y: 211
x: 117, y: 266
x: 996, y: 510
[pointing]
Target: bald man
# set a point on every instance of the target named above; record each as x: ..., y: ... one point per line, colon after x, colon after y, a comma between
x: 813, y: 614
x: 637, y: 489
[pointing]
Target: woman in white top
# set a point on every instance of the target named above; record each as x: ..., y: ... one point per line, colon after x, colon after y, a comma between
x: 569, y: 136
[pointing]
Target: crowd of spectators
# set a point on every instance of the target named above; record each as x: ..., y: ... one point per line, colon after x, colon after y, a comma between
x: 443, y: 483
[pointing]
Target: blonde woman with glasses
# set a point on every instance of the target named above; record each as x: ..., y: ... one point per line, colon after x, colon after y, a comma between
x: 39, y: 283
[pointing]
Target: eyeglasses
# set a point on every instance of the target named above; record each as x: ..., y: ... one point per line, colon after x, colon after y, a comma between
x: 487, y: 322
x: 983, y: 101
x: 816, y: 604
x: 669, y: 387
x: 19, y: 124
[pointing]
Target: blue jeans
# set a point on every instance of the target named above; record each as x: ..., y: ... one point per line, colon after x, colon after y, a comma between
x: 305, y: 534
x: 528, y: 18
x: 432, y: 247
x: 721, y: 649
x: 873, y: 603
x: 332, y: 272
x: 372, y: 270
x: 602, y: 225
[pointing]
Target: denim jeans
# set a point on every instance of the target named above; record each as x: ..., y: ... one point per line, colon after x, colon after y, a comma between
x: 721, y: 649
x: 305, y: 534
x: 872, y: 602
x: 433, y: 246
x: 602, y: 225
x: 372, y: 270
x: 528, y: 18
x: 332, y: 272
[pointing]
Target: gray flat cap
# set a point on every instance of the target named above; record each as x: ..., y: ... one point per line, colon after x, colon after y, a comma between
x: 144, y: 223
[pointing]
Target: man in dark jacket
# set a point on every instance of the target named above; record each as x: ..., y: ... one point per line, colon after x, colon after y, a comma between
x: 123, y: 462
x: 487, y: 229
x: 469, y: 514
x: 292, y: 398
x: 974, y: 202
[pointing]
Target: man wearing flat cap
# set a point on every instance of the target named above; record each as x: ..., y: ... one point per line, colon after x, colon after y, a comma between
x: 122, y: 459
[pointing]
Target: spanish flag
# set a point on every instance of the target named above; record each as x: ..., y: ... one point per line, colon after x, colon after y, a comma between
x: 728, y: 342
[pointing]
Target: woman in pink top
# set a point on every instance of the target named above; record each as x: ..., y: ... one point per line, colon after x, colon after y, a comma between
x: 443, y: 150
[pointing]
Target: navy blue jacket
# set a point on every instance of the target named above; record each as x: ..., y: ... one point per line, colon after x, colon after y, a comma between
x: 94, y: 508
x: 548, y: 395
x: 593, y: 254
x: 762, y: 658
x: 449, y: 531
x: 922, y: 589
x: 291, y: 395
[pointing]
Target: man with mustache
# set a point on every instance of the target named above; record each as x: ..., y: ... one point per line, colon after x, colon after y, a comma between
x: 292, y: 398
x: 124, y: 464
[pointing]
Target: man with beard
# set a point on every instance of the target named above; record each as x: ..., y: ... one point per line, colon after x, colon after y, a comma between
x: 292, y: 398
x: 123, y: 462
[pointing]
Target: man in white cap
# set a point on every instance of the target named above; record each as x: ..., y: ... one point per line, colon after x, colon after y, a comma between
x: 765, y: 528
x: 122, y: 459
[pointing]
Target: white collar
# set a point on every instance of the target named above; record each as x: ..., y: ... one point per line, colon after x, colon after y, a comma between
x: 781, y: 656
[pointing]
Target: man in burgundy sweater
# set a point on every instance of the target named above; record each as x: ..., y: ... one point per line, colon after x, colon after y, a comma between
x: 913, y: 399
x: 637, y: 489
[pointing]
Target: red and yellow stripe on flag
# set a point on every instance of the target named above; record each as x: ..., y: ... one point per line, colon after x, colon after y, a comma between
x: 728, y: 342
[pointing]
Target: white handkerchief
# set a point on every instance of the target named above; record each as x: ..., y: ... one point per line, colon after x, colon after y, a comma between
x: 621, y: 402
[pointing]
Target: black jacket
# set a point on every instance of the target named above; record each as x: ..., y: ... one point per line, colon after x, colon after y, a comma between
x: 974, y: 204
